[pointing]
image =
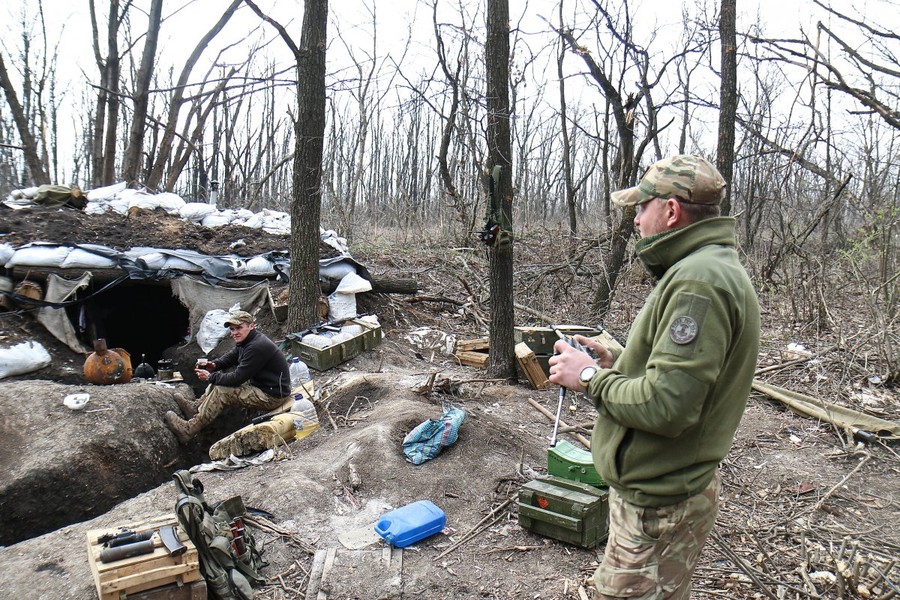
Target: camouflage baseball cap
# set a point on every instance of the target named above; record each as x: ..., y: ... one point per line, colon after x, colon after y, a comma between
x: 692, y: 178
x: 239, y: 317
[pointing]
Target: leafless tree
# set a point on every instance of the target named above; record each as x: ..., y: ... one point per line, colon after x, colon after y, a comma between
x: 306, y: 204
x: 140, y: 95
x: 29, y: 144
x: 502, y: 355
x: 728, y: 96
x: 177, y: 100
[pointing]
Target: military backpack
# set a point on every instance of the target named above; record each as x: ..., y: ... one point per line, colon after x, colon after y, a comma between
x: 229, y: 559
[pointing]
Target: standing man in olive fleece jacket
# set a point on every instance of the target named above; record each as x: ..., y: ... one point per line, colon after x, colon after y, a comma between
x: 258, y: 381
x: 669, y: 405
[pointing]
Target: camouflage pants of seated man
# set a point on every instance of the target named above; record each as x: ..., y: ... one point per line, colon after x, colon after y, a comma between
x: 652, y: 552
x: 217, y: 397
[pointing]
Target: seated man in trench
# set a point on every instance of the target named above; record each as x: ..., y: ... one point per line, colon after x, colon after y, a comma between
x: 258, y: 381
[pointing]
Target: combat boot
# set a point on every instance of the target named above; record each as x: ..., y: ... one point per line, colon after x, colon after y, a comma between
x: 185, y: 430
x: 189, y: 408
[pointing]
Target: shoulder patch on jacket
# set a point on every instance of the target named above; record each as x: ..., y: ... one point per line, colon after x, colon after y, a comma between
x: 686, y: 326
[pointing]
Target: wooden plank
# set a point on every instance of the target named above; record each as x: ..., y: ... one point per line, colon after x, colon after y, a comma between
x: 472, y: 359
x: 609, y: 341
x: 530, y: 366
x: 482, y: 343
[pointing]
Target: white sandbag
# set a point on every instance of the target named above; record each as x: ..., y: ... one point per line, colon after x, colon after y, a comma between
x: 171, y: 203
x: 179, y: 264
x: 196, y: 211
x: 259, y: 265
x: 279, y: 229
x: 337, y: 271
x: 23, y: 358
x: 96, y: 208
x: 218, y: 219
x: 370, y: 319
x: 341, y: 306
x: 83, y: 259
x: 316, y: 340
x: 352, y: 330
x: 120, y: 205
x: 253, y: 222
x: 276, y: 222
x: 243, y: 214
x: 143, y: 200
x: 6, y: 253
x: 331, y: 238
x: 353, y: 284
x: 212, y: 329
x: 153, y: 260
x: 39, y: 256
x: 106, y: 193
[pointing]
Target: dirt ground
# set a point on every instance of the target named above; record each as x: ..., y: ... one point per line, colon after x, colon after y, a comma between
x: 806, y: 512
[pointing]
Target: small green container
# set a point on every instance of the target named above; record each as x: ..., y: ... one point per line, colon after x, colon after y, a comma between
x: 568, y: 511
x: 568, y: 461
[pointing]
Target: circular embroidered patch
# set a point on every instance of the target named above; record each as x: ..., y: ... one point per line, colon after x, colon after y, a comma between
x: 683, y: 330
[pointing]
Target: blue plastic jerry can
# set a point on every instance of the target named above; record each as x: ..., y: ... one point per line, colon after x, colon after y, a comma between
x: 409, y: 524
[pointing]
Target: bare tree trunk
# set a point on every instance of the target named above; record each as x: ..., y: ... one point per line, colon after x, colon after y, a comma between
x: 502, y: 354
x: 307, y: 197
x: 29, y: 145
x: 306, y: 203
x: 131, y: 162
x: 177, y: 99
x: 729, y: 99
x: 566, y: 143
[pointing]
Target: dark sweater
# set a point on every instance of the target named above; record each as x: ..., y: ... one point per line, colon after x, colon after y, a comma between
x: 257, y: 360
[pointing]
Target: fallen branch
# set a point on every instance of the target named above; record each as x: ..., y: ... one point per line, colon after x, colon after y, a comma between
x: 474, y: 531
x: 569, y: 429
x: 741, y: 565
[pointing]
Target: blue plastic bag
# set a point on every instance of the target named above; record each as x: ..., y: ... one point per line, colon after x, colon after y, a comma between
x: 427, y: 439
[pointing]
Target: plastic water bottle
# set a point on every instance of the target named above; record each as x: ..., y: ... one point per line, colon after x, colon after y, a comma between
x: 298, y: 371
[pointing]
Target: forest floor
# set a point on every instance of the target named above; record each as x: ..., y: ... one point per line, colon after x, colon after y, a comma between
x: 807, y: 512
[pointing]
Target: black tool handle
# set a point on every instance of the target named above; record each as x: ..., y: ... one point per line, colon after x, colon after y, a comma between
x: 129, y: 537
x: 126, y: 551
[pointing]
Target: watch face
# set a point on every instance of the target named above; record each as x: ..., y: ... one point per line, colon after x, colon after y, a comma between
x: 587, y: 374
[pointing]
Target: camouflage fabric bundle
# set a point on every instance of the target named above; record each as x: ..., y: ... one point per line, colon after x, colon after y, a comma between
x: 428, y: 439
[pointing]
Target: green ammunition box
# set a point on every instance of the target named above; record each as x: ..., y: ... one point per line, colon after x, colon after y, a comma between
x: 568, y: 461
x: 541, y: 339
x: 568, y: 511
x: 322, y: 359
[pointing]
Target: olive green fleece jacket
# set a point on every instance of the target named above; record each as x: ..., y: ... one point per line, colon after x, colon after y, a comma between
x: 669, y: 406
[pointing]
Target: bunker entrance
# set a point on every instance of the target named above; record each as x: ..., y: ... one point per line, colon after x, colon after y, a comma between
x: 143, y: 319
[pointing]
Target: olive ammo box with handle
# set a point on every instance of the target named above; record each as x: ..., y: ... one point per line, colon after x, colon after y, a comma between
x: 565, y: 510
x: 568, y: 461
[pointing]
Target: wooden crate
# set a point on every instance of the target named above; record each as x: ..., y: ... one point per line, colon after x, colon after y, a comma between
x: 322, y: 359
x: 528, y: 364
x: 124, y: 578
x: 482, y: 343
x: 469, y: 358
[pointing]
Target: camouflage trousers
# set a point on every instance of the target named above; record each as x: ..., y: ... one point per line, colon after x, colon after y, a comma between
x: 652, y: 552
x: 217, y: 397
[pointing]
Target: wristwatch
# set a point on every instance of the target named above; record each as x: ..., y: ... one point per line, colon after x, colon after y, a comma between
x: 587, y: 374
